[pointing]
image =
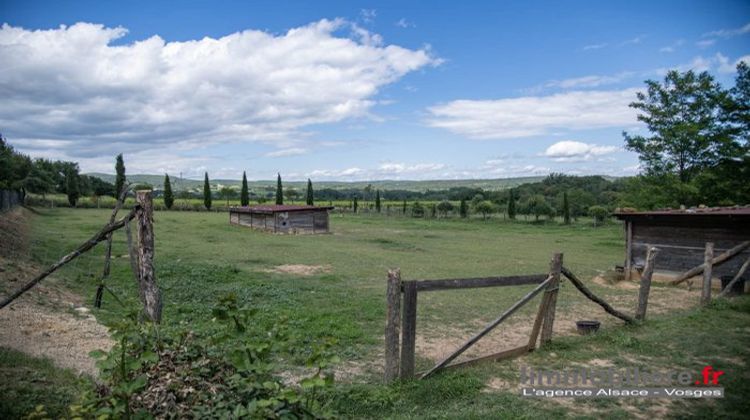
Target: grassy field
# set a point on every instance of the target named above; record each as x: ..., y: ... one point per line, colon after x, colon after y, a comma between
x: 200, y: 257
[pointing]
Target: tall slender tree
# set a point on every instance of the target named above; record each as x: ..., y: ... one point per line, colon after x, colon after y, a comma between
x: 71, y: 187
x: 463, y: 209
x: 566, y: 208
x: 511, y: 204
x: 244, y: 194
x: 206, y: 193
x: 279, y: 191
x: 355, y: 205
x: 120, y: 177
x: 168, y: 196
x: 377, y: 201
x: 310, y: 199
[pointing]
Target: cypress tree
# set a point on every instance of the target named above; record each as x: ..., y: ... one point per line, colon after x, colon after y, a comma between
x: 310, y: 198
x: 206, y: 193
x: 377, y: 201
x: 403, y: 209
x: 71, y: 187
x: 168, y: 196
x: 279, y: 191
x: 120, y: 178
x: 244, y: 194
x: 463, y: 209
x: 566, y: 208
x: 355, y: 205
x: 511, y: 204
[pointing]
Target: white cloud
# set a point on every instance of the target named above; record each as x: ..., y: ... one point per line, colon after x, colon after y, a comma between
x: 535, y: 115
x: 728, y: 33
x: 568, y: 151
x: 368, y: 15
x: 672, y: 48
x: 291, y: 151
x: 402, y: 168
x: 633, y: 41
x: 589, y: 81
x: 594, y: 46
x: 403, y: 23
x: 726, y: 66
x: 72, y: 85
x: 705, y: 43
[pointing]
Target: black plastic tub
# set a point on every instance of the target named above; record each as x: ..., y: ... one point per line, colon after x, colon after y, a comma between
x: 587, y: 327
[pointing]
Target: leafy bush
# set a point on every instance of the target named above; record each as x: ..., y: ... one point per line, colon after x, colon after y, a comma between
x: 229, y: 375
x: 599, y: 214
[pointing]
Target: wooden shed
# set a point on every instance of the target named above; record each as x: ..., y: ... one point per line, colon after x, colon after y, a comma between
x: 282, y: 218
x: 681, y: 237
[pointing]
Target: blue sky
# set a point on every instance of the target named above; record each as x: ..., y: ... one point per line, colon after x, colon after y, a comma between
x: 348, y: 90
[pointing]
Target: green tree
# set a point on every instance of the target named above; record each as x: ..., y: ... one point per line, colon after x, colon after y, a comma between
x: 566, y: 209
x: 355, y: 205
x: 511, y: 204
x: 463, y: 209
x: 538, y: 206
x: 71, y: 187
x: 599, y: 214
x: 403, y: 208
x: 244, y: 193
x: 444, y: 207
x: 485, y: 207
x: 417, y: 210
x: 291, y: 194
x: 168, y: 195
x: 310, y: 199
x: 120, y: 175
x: 377, y: 201
x: 279, y: 191
x: 683, y: 115
x: 227, y: 194
x: 206, y: 192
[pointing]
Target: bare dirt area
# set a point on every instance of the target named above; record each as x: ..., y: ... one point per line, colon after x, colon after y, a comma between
x: 47, y: 321
x: 299, y: 269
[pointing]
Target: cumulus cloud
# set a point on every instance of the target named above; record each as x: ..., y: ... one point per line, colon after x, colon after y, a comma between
x: 568, y: 150
x: 535, y: 115
x: 291, y: 151
x: 74, y: 86
x: 402, y: 168
x: 727, y: 66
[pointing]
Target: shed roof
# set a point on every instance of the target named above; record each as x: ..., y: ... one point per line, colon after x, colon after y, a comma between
x: 277, y: 208
x: 742, y: 211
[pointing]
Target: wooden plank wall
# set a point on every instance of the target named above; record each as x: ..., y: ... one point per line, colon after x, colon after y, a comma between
x: 300, y: 222
x: 682, y: 246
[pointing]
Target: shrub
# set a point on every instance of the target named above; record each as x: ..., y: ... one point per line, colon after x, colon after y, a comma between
x: 599, y: 214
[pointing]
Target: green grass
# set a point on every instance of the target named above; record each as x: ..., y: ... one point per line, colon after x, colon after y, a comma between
x: 199, y: 257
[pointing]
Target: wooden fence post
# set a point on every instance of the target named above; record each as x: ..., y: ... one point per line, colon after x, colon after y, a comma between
x: 555, y: 267
x: 707, y: 274
x: 648, y: 271
x: 150, y: 292
x: 628, y: 250
x: 409, y: 330
x: 393, y: 314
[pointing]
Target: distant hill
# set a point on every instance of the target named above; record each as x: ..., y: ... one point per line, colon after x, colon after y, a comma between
x: 180, y: 184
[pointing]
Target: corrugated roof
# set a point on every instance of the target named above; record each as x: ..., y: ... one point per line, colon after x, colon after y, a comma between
x: 276, y: 208
x: 693, y: 211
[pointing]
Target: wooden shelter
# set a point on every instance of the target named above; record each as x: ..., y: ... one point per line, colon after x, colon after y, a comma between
x: 282, y: 218
x: 681, y: 237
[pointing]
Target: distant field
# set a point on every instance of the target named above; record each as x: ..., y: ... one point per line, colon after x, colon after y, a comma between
x: 179, y: 184
x: 336, y: 289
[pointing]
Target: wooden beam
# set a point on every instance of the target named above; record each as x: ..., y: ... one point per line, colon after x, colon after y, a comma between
x: 736, y: 278
x: 555, y: 266
x: 489, y: 327
x: 708, y: 256
x: 586, y: 292
x: 408, y: 330
x: 448, y: 284
x: 628, y: 250
x: 715, y: 261
x: 505, y: 354
x: 393, y: 315
x: 538, y: 322
x: 150, y: 292
x: 648, y: 271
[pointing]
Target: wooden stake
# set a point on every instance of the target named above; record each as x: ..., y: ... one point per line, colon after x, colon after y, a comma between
x: 736, y: 278
x: 628, y: 250
x: 555, y: 267
x: 393, y: 314
x: 108, y: 250
x: 724, y: 257
x: 707, y: 273
x: 150, y: 292
x: 409, y: 330
x: 648, y: 271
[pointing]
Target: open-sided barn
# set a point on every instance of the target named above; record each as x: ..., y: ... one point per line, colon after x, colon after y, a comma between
x: 681, y: 236
x: 282, y: 218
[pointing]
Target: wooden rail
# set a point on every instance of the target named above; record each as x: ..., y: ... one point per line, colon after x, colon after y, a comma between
x: 470, y: 283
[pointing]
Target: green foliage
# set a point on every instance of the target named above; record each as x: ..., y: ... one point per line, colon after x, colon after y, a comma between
x: 279, y: 191
x: 511, y: 204
x: 377, y: 201
x: 485, y: 207
x: 599, y: 213
x: 417, y: 209
x: 309, y: 196
x: 566, y: 208
x: 168, y: 195
x: 403, y: 208
x: 120, y: 175
x: 71, y: 187
x: 355, y: 205
x: 538, y: 206
x: 444, y: 207
x: 244, y: 193
x: 227, y: 194
x: 206, y: 192
x: 463, y: 209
